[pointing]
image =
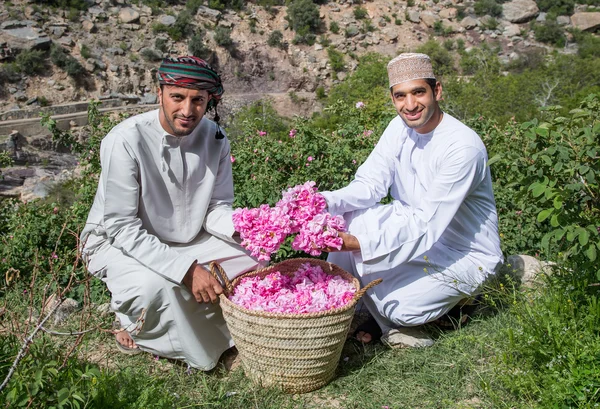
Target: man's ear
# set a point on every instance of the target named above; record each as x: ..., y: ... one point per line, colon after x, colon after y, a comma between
x: 438, y: 91
x: 159, y: 94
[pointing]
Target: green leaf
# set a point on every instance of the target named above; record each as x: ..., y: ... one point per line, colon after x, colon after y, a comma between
x: 546, y: 159
x: 591, y: 253
x: 554, y: 221
x: 62, y: 396
x: 493, y: 160
x: 537, y: 189
x: 541, y: 131
x: 544, y: 214
x: 558, y: 203
x: 584, y: 236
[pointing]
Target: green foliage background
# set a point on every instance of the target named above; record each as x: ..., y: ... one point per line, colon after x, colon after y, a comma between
x: 541, y: 127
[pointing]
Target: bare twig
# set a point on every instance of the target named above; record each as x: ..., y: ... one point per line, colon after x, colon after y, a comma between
x: 26, y: 343
x: 47, y: 331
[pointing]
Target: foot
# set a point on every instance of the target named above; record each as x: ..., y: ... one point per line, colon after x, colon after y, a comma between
x: 125, y: 340
x: 405, y: 337
x: 368, y: 331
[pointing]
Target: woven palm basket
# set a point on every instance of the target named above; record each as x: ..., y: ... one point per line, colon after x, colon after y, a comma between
x: 296, y: 352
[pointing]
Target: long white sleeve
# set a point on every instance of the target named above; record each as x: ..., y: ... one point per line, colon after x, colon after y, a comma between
x: 441, y: 189
x: 157, y: 191
x: 120, y: 183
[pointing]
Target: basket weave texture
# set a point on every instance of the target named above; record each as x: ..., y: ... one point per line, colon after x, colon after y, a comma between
x: 296, y: 352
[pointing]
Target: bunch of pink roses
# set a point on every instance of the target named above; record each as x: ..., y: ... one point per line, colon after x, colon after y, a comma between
x: 300, y: 211
x: 308, y: 290
x: 262, y: 229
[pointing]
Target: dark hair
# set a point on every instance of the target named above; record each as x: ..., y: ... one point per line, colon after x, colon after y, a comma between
x: 431, y: 82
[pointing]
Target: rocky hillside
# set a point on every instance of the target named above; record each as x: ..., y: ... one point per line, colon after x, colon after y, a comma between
x: 118, y: 44
x: 55, y: 60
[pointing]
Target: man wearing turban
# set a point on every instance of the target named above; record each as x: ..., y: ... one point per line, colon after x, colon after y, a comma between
x: 161, y: 214
x: 437, y: 241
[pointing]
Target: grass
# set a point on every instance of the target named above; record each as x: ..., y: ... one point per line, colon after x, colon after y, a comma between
x: 542, y: 352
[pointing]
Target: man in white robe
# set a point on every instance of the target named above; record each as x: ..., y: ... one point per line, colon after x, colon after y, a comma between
x: 161, y: 214
x: 437, y: 241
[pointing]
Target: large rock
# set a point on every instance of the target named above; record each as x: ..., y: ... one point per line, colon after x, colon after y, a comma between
x: 167, y: 20
x: 526, y: 268
x: 413, y: 16
x: 511, y: 30
x: 469, y: 23
x: 429, y: 18
x: 128, y: 15
x: 520, y: 11
x: 23, y: 35
x: 588, y: 21
x: 449, y: 14
x: 208, y: 13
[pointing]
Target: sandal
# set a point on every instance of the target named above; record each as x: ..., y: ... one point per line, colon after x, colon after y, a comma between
x: 368, y: 327
x: 124, y: 349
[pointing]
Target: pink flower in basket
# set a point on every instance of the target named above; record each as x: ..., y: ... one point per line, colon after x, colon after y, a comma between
x: 308, y: 290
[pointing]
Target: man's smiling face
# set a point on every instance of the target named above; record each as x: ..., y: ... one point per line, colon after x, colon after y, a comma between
x: 181, y: 109
x: 417, y: 104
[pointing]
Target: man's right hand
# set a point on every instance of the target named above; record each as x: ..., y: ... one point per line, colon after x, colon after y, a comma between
x: 202, y: 284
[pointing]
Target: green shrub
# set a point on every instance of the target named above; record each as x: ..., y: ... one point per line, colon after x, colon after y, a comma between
x: 161, y: 44
x: 65, y: 61
x: 360, y: 13
x: 276, y: 39
x: 304, y: 19
x: 31, y: 62
x: 320, y: 92
x: 588, y: 44
x: 557, y: 7
x: 334, y: 27
x: 182, y: 28
x: 549, y: 32
x: 442, y: 61
x: 193, y: 5
x: 564, y: 176
x: 491, y: 24
x: 491, y: 7
x: 85, y: 51
x: 197, y: 46
x: 223, y: 36
x: 336, y: 59
x: 151, y: 55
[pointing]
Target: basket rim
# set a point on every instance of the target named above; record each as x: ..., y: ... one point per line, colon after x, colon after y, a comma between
x: 281, y: 315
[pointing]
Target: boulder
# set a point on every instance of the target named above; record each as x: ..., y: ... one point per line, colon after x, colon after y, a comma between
x: 23, y: 35
x: 563, y: 20
x: 449, y: 14
x: 127, y: 15
x: 429, y: 18
x: 511, y: 30
x: 586, y: 21
x: 526, y: 269
x: 520, y: 11
x: 167, y: 20
x: 469, y: 23
x: 413, y: 16
x: 208, y: 13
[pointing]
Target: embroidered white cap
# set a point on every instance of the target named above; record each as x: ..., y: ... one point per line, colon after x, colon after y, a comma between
x: 409, y: 66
